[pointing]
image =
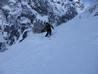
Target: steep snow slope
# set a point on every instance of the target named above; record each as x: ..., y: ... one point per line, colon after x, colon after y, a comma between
x: 72, y: 49
x: 18, y: 16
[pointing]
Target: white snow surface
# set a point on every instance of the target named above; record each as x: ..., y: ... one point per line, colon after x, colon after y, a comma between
x: 72, y: 49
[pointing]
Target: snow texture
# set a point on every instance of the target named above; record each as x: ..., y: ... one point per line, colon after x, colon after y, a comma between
x: 72, y: 49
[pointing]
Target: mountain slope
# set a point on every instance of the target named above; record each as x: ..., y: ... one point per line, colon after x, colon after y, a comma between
x: 72, y: 49
x: 18, y: 17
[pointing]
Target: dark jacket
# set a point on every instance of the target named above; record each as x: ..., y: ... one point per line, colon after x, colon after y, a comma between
x: 48, y: 27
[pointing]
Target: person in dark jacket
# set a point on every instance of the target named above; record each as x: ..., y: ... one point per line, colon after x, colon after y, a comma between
x: 48, y: 29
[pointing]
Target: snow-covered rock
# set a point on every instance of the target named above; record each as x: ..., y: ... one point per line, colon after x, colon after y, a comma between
x: 18, y: 16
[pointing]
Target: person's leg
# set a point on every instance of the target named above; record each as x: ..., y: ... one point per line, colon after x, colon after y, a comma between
x: 46, y: 34
x: 49, y: 32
